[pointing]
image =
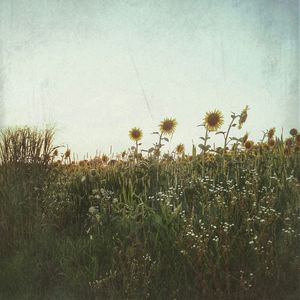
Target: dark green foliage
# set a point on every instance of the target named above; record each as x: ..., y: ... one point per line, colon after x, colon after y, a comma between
x: 153, y: 229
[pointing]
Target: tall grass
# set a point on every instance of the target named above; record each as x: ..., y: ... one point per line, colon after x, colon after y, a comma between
x: 25, y: 155
x: 214, y: 225
x: 25, y: 145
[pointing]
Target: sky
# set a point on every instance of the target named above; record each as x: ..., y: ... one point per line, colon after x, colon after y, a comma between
x: 95, y: 69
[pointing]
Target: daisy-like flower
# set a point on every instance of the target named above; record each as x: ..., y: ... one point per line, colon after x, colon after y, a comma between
x: 243, y: 116
x: 213, y: 120
x: 168, y: 126
x: 180, y: 148
x: 136, y: 134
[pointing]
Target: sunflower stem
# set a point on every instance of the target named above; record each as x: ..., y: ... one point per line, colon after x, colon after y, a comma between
x: 204, y: 151
x: 206, y: 137
x: 159, y: 144
x: 227, y: 133
x: 136, y: 149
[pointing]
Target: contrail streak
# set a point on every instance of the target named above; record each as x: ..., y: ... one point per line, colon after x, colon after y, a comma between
x: 141, y: 86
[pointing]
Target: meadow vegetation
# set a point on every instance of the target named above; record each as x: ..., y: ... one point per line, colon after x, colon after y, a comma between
x: 218, y: 223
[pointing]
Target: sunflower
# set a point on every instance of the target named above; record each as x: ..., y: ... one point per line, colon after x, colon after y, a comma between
x: 168, y: 126
x: 271, y: 133
x: 293, y: 131
x: 213, y: 120
x: 289, y: 142
x: 156, y: 152
x: 82, y: 163
x: 249, y: 144
x: 105, y: 158
x: 135, y: 134
x: 180, y: 148
x: 68, y: 153
x: 243, y: 116
x: 271, y: 142
x: 209, y: 157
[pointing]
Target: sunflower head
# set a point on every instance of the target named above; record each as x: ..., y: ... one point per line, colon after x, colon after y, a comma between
x: 289, y: 142
x: 243, y: 116
x: 209, y: 157
x: 271, y: 142
x: 135, y: 134
x: 168, y: 126
x: 213, y: 120
x: 293, y: 131
x: 249, y: 144
x: 105, y: 158
x: 271, y: 133
x: 180, y: 149
x: 82, y: 163
x: 156, y: 152
x: 68, y: 153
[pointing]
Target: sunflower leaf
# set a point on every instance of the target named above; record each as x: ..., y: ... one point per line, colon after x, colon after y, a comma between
x: 203, y: 147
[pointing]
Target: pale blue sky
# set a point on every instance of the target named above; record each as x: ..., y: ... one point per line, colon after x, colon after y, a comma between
x: 90, y: 67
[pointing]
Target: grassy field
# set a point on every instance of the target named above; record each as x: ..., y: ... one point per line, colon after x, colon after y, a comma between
x: 217, y: 224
